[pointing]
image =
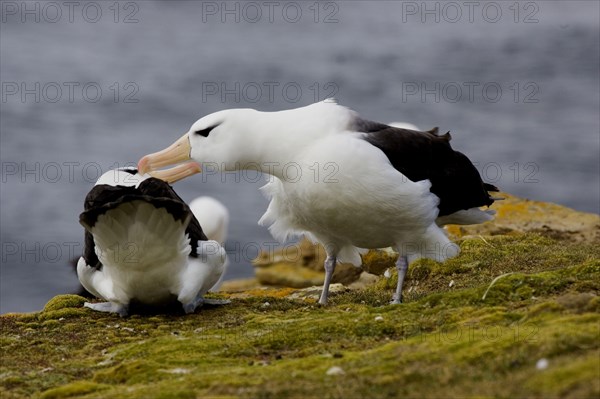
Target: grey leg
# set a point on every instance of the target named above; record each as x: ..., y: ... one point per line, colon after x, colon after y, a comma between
x: 402, y: 267
x: 329, y: 268
x: 109, y: 307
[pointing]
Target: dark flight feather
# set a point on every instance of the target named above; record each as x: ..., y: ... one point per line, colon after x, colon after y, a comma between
x: 427, y: 155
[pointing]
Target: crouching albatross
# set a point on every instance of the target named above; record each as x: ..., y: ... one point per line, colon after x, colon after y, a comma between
x: 348, y: 183
x: 144, y: 245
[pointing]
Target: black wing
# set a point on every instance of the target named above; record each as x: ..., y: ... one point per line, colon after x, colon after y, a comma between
x: 94, y: 205
x: 426, y: 155
x: 103, y: 198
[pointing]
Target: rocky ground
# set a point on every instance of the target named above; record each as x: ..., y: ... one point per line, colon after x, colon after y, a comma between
x: 517, y: 314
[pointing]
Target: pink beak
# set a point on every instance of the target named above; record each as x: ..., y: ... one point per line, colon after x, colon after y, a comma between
x: 176, y: 153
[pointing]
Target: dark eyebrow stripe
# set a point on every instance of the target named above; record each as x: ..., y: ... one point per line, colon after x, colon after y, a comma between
x: 205, y: 132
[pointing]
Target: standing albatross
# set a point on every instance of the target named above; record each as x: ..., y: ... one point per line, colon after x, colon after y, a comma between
x: 346, y: 182
x: 143, y: 244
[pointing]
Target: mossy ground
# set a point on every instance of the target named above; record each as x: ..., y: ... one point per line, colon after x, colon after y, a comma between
x: 444, y: 341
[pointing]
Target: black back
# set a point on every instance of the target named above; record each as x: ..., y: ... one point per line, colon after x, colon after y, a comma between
x: 426, y: 155
x: 160, y: 194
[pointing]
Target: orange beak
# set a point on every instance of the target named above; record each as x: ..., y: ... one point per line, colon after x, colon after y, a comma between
x: 176, y: 153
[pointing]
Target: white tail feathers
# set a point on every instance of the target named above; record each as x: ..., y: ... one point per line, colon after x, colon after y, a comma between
x: 212, y: 216
x: 403, y: 125
x: 467, y: 216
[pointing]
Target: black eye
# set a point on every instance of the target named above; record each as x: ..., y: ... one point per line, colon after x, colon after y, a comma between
x: 205, y: 132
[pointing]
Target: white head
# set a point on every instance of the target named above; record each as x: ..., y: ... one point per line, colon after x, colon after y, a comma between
x: 126, y: 176
x: 218, y: 139
x: 246, y: 139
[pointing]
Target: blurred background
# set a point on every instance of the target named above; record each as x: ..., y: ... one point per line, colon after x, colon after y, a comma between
x: 88, y: 86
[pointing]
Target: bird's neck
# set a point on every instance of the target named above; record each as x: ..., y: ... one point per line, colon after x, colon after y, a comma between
x: 276, y: 141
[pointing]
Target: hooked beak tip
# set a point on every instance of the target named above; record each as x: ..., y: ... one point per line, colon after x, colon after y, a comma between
x: 195, y: 168
x: 143, y: 165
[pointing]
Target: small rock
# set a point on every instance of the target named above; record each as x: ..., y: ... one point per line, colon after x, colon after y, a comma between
x: 379, y: 318
x: 299, y: 266
x: 335, y: 370
x: 240, y: 285
x: 378, y: 261
x: 288, y: 275
x: 128, y: 329
x: 364, y: 280
x: 265, y: 305
x: 516, y: 214
x: 315, y: 291
x: 451, y: 283
x: 542, y: 364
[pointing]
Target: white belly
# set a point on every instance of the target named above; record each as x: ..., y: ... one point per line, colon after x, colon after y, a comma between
x: 365, y: 202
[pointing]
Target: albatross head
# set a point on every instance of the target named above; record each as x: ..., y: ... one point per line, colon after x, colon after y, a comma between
x: 217, y: 139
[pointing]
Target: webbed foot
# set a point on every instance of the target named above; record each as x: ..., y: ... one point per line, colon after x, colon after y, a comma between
x: 216, y: 302
x: 191, y: 307
x: 200, y: 300
x: 109, y: 307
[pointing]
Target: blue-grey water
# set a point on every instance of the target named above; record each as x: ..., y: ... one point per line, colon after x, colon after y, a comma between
x: 93, y: 85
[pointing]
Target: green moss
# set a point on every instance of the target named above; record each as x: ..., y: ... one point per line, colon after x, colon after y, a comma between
x: 445, y: 340
x: 577, y: 379
x: 73, y: 389
x: 135, y: 372
x: 64, y: 301
x: 63, y: 313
